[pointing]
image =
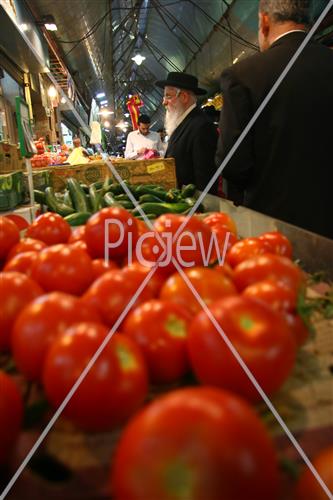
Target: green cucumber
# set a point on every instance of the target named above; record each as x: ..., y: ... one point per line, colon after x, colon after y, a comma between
x: 110, y: 200
x: 55, y: 205
x: 77, y: 194
x: 78, y: 218
x: 95, y: 198
x: 188, y: 191
x: 162, y: 208
x: 67, y: 198
x: 40, y: 196
x: 150, y: 198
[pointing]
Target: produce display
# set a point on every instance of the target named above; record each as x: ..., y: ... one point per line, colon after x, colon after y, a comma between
x: 183, y: 418
x: 80, y: 200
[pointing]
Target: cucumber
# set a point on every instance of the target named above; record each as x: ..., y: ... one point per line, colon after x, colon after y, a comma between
x: 150, y: 198
x: 67, y: 198
x: 77, y: 194
x: 162, y: 208
x: 40, y: 196
x: 95, y: 198
x: 55, y: 205
x: 110, y: 200
x: 188, y: 191
x: 78, y: 218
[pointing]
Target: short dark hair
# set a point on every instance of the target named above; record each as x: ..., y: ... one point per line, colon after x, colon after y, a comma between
x: 281, y: 11
x: 143, y: 119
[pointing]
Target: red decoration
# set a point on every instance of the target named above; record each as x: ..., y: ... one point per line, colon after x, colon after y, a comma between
x: 133, y: 104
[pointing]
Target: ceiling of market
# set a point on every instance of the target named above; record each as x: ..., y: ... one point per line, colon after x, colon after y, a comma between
x: 98, y: 38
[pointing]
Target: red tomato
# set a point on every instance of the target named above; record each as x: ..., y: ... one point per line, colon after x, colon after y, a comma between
x: 122, y: 232
x: 221, y: 219
x: 160, y: 329
x: 195, y: 443
x: 114, y: 388
x: 26, y: 245
x: 18, y: 220
x: 80, y: 244
x: 190, y: 248
x: 298, y: 328
x: 279, y: 243
x: 63, y: 268
x: 245, y: 249
x: 22, y: 263
x: 308, y: 487
x: 100, y: 266
x: 9, y: 236
x: 262, y: 267
x: 16, y: 291
x: 50, y: 228
x: 11, y: 414
x: 226, y: 269
x: 156, y: 281
x: 142, y: 227
x: 39, y: 324
x: 222, y: 233
x: 211, y: 285
x: 77, y: 234
x: 275, y: 294
x: 259, y: 334
x: 112, y: 292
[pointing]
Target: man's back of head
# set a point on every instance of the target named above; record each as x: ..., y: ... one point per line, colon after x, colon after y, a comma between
x: 277, y: 17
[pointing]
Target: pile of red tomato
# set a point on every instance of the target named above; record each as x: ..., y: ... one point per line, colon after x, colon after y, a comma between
x: 59, y: 298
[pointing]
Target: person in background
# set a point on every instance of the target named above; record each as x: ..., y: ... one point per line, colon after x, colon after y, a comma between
x: 192, y: 136
x: 142, y: 140
x: 283, y: 167
x: 79, y: 154
x: 164, y: 139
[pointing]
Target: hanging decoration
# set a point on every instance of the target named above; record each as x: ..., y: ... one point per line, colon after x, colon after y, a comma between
x: 133, y: 104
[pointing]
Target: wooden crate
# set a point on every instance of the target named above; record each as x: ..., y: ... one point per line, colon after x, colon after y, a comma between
x: 160, y: 171
x: 87, y: 173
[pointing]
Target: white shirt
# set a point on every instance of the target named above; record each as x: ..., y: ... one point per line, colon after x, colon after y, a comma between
x: 287, y: 33
x: 137, y: 141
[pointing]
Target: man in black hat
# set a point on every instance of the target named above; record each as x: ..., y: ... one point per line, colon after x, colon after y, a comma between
x: 192, y: 136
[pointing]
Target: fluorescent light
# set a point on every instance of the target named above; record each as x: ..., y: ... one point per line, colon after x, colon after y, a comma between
x: 105, y: 112
x: 51, y: 26
x: 100, y: 95
x: 104, y: 102
x: 138, y: 59
x: 126, y: 115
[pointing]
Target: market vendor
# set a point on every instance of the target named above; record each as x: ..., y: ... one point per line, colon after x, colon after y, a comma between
x: 79, y: 154
x: 192, y: 136
x: 143, y: 143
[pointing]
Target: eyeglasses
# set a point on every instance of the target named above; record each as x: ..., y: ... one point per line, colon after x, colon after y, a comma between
x: 168, y: 97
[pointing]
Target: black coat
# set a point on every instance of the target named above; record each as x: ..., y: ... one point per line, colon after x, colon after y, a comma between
x: 285, y: 164
x: 193, y: 145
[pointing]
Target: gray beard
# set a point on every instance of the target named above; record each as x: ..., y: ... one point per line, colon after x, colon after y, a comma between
x: 171, y: 119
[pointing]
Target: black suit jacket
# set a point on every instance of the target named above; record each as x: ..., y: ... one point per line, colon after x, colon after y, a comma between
x: 193, y: 145
x: 285, y: 164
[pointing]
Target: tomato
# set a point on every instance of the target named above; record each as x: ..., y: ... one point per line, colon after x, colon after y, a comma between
x: 22, y: 263
x: 9, y: 236
x: 190, y: 248
x: 160, y: 329
x: 114, y: 388
x: 156, y: 281
x: 16, y: 291
x: 261, y: 337
x: 63, y: 268
x: 221, y: 219
x: 298, y: 328
x: 50, y: 228
x: 39, y: 324
x: 80, y: 244
x: 18, y: 220
x: 26, y: 245
x: 226, y: 269
x: 211, y: 285
x: 196, y: 443
x: 262, y: 267
x: 121, y: 232
x: 100, y: 266
x: 77, y: 234
x: 308, y: 487
x: 245, y: 249
x: 112, y: 292
x: 278, y: 242
x: 222, y: 233
x: 142, y: 227
x: 276, y: 294
x: 11, y: 414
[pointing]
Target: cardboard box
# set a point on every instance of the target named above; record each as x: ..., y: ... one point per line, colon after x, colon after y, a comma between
x: 87, y: 173
x: 160, y: 171
x: 41, y: 179
x: 11, y: 190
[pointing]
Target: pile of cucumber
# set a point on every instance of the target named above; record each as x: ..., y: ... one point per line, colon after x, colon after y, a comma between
x: 79, y: 201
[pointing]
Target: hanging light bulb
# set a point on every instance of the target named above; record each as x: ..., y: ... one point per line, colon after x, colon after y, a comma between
x: 52, y: 92
x: 138, y: 59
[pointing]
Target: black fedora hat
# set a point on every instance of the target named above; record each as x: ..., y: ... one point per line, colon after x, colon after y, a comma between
x: 181, y: 81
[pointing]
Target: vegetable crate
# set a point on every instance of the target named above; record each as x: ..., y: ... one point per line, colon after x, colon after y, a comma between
x: 160, y: 171
x: 87, y: 173
x: 11, y: 190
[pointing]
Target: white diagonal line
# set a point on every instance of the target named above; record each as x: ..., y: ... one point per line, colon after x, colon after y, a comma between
x: 257, y: 113
x: 252, y: 379
x: 76, y: 385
